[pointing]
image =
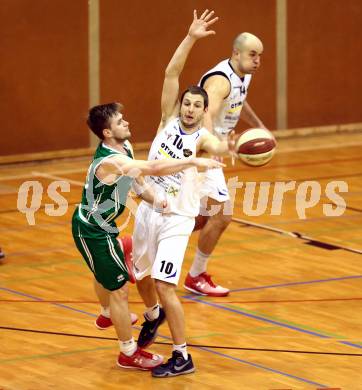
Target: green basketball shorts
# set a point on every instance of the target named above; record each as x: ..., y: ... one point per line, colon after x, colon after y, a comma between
x: 103, y: 255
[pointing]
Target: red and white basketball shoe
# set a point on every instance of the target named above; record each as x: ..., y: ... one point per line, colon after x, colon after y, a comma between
x: 141, y: 360
x: 127, y: 250
x: 103, y: 322
x: 203, y: 285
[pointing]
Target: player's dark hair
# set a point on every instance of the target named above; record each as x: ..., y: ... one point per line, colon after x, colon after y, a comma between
x: 99, y: 117
x: 196, y: 90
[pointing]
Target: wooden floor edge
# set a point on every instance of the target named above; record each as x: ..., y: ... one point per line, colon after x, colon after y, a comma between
x: 144, y: 146
x: 59, y: 154
x: 319, y: 130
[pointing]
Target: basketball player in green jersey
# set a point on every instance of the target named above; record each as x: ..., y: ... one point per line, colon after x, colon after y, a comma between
x: 108, y: 182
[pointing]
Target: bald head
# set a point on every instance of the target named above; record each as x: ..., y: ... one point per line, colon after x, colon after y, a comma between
x: 247, y: 50
x: 247, y: 41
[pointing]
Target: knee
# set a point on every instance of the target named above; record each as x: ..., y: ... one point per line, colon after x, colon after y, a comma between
x: 221, y: 220
x: 164, y: 290
x: 120, y: 295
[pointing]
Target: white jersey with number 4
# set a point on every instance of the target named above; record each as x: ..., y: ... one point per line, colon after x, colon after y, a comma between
x: 181, y: 189
x: 229, y: 114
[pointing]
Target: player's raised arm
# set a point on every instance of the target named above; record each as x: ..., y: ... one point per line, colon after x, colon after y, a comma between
x: 217, y: 88
x: 170, y: 90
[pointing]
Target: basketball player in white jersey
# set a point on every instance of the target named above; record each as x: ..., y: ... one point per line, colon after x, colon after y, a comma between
x: 160, y: 237
x: 227, y: 87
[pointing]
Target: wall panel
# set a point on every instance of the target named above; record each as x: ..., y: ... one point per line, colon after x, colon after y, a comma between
x: 43, y: 75
x: 44, y: 66
x: 139, y: 38
x: 324, y: 62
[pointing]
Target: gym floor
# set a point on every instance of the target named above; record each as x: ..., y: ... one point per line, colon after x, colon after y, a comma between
x: 292, y: 320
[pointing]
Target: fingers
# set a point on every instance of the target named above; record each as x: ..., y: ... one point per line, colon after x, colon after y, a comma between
x: 212, y: 21
x: 204, y: 14
x: 233, y: 136
x: 195, y: 14
x: 209, y: 15
x: 216, y: 164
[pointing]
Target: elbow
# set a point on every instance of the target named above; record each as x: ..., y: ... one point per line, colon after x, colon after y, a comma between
x: 171, y: 71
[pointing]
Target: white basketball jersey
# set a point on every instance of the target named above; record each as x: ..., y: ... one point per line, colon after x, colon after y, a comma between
x: 230, y: 112
x: 181, y: 189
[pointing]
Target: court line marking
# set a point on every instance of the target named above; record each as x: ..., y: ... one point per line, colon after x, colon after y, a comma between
x: 264, y: 367
x: 48, y: 355
x: 168, y: 338
x: 55, y: 177
x: 297, y: 235
x: 47, y: 277
x: 242, y: 168
x: 270, y: 286
x: 274, y: 322
x: 317, y: 147
x: 228, y: 347
x: 315, y: 219
x: 198, y: 347
x: 56, y: 172
x: 186, y: 302
x: 333, y: 336
x: 288, y: 284
x: 40, y: 299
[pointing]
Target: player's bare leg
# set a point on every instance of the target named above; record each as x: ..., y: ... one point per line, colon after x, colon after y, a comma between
x: 154, y: 314
x: 173, y: 309
x: 180, y: 361
x: 131, y: 356
x: 147, y: 290
x: 104, y: 321
x: 118, y: 304
x: 198, y: 280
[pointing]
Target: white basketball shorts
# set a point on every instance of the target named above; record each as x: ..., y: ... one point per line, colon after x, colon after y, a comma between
x: 214, y: 185
x: 159, y: 243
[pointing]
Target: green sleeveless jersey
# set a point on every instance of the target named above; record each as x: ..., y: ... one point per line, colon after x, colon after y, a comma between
x: 102, y: 203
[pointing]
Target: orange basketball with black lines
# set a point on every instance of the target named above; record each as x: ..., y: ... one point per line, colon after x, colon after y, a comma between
x: 256, y: 147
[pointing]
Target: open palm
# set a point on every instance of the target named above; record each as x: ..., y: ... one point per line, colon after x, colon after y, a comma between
x: 199, y: 26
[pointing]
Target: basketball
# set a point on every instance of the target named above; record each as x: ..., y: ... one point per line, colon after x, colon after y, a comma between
x: 255, y: 147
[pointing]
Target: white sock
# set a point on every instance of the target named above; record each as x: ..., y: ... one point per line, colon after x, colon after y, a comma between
x: 153, y: 312
x: 105, y: 312
x: 181, y: 348
x: 128, y: 347
x: 200, y: 263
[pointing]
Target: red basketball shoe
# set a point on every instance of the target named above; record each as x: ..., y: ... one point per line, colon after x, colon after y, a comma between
x: 141, y: 360
x: 127, y: 250
x: 103, y: 322
x: 203, y: 285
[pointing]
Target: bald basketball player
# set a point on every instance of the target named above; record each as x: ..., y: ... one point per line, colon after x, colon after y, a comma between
x: 227, y: 86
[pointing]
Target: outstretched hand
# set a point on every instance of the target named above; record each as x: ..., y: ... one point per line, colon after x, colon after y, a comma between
x: 203, y: 164
x: 199, y: 26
